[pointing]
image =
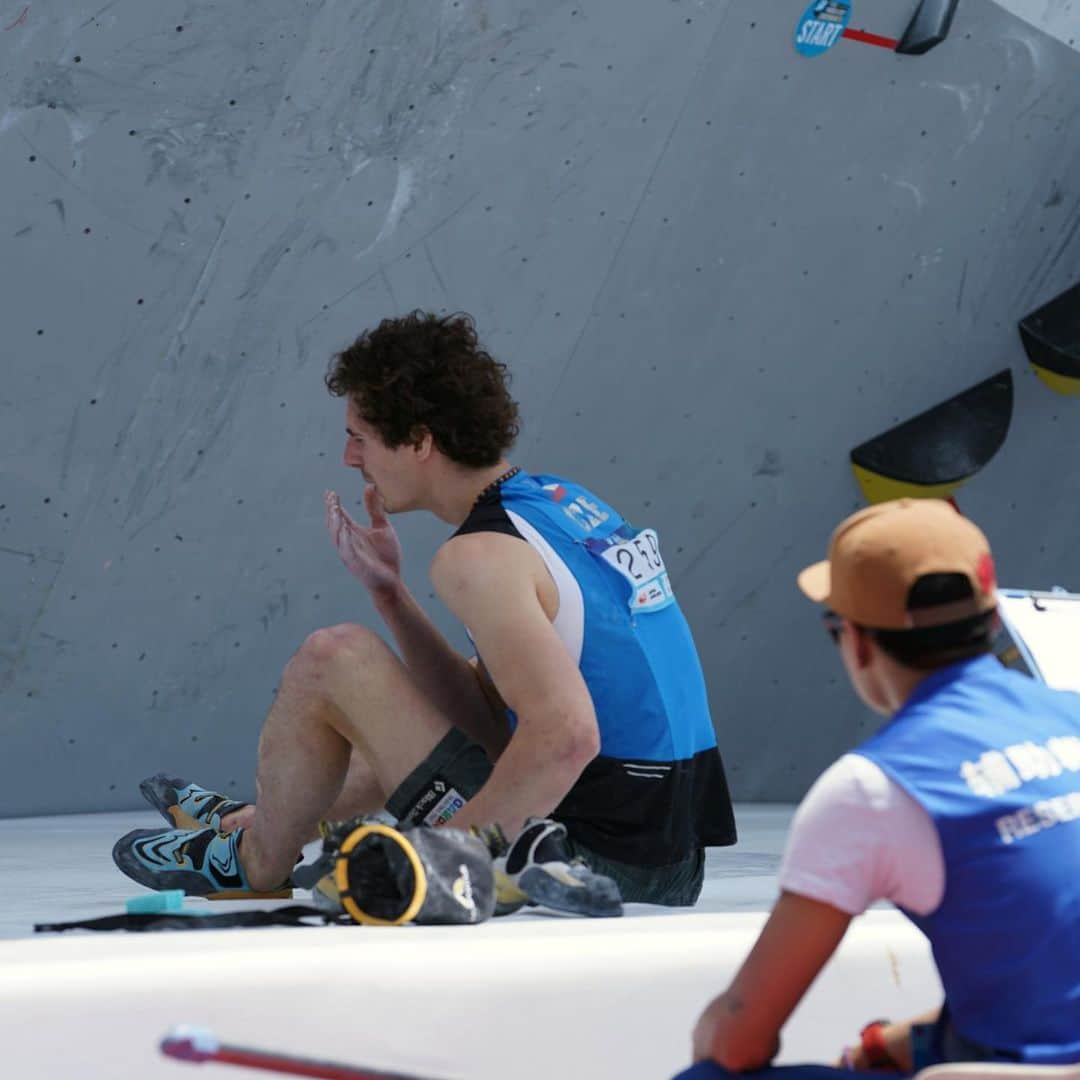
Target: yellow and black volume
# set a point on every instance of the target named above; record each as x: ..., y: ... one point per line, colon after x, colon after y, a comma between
x: 932, y: 454
x: 1051, y: 337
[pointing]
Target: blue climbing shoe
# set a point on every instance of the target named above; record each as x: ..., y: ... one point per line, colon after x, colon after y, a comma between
x: 186, y: 805
x: 202, y: 863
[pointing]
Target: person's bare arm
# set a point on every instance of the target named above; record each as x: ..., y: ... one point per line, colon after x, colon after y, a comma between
x: 454, y: 684
x: 492, y: 583
x: 740, y: 1029
x: 500, y: 726
x: 372, y: 555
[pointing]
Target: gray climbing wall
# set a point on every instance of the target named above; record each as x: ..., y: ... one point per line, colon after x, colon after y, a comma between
x: 713, y: 265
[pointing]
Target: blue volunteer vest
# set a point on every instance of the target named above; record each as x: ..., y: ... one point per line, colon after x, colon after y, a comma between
x: 656, y: 794
x: 994, y: 758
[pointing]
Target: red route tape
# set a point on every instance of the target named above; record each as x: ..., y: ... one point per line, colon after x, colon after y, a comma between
x: 870, y: 39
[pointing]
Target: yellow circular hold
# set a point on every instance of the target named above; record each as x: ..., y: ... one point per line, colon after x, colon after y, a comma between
x: 341, y: 875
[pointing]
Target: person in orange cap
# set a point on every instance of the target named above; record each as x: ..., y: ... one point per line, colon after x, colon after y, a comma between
x: 969, y: 791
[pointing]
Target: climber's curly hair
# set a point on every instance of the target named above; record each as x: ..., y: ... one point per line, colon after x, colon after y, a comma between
x: 428, y: 372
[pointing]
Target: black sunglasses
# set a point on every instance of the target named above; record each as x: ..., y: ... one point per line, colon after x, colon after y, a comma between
x: 833, y: 624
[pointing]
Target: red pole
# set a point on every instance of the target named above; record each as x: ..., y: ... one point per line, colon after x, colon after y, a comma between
x: 198, y: 1045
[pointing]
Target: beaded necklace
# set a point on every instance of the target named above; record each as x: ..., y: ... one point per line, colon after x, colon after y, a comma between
x: 495, y: 484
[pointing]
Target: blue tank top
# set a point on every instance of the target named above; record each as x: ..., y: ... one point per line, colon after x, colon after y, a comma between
x: 994, y: 759
x: 656, y: 793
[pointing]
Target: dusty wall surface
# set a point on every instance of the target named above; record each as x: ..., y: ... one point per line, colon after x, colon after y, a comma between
x: 713, y: 265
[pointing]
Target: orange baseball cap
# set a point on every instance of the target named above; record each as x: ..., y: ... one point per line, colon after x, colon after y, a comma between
x: 878, y: 554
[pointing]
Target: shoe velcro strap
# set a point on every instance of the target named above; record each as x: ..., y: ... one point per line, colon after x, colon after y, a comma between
x: 539, y: 842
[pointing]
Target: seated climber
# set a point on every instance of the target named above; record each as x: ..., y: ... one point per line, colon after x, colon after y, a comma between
x: 963, y: 810
x: 585, y: 704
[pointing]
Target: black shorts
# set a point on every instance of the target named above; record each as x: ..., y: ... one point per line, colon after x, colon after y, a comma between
x: 458, y: 768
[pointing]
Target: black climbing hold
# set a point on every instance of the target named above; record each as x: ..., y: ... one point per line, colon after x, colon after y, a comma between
x: 929, y: 26
x: 932, y: 454
x: 1051, y: 337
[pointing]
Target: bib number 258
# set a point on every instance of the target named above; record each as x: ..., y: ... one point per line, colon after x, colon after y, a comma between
x: 639, y: 561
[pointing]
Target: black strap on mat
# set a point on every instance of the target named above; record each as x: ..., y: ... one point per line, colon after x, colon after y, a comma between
x: 294, y: 915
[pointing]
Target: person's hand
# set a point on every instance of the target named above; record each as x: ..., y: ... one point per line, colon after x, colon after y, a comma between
x: 723, y: 1016
x: 852, y: 1057
x: 372, y: 555
x: 705, y: 1028
x: 895, y: 1053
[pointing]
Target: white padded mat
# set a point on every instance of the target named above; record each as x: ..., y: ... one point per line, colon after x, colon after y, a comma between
x: 531, y: 996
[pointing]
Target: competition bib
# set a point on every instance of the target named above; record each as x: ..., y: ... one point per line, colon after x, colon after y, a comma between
x: 639, y: 561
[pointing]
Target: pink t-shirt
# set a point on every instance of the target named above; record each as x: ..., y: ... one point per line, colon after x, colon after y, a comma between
x: 857, y: 838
